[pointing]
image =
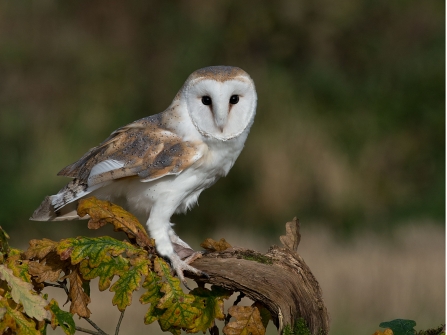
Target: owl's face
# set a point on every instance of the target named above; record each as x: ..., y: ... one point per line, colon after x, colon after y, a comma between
x: 221, y: 101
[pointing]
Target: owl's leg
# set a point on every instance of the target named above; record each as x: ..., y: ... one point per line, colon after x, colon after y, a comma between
x: 160, y: 230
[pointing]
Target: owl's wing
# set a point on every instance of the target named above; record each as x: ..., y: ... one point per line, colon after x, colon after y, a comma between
x: 144, y: 148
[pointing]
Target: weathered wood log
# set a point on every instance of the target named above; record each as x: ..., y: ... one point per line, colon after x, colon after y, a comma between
x: 279, y: 279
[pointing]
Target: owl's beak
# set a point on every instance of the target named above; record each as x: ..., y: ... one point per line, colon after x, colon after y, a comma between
x: 220, y: 118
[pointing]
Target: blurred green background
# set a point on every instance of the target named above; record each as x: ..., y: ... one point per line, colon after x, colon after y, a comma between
x: 350, y: 129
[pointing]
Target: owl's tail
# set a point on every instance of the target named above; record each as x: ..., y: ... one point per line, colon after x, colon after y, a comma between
x: 47, y: 212
x: 62, y: 206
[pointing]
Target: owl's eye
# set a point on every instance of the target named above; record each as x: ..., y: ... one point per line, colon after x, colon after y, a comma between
x: 206, y: 100
x: 234, y: 99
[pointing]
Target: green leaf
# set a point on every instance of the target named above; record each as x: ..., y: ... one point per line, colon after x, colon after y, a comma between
x: 400, y: 326
x: 129, y: 282
x: 94, y: 249
x: 152, y: 284
x: 179, y: 311
x: 22, y: 292
x: 106, y: 270
x: 15, y: 320
x: 61, y: 318
x: 211, y: 306
x: 18, y: 266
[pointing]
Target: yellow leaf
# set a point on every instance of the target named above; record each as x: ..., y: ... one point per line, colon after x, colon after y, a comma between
x: 103, y: 212
x: 248, y: 321
x: 15, y: 320
x: 387, y: 331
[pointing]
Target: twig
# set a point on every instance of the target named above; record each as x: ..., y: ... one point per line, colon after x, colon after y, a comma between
x: 238, y: 300
x: 119, y: 323
x: 88, y: 331
x: 100, y: 331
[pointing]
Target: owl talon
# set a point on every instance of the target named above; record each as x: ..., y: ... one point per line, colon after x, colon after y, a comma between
x: 179, y: 266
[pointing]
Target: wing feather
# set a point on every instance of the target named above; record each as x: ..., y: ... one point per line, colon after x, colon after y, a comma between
x: 144, y: 148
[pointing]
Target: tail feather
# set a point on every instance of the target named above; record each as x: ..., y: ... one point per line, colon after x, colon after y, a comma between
x: 63, y: 205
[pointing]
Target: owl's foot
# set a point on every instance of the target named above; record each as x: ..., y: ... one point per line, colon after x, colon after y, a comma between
x: 179, y: 266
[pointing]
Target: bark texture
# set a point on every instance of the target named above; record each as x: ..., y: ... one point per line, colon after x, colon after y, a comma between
x: 279, y: 279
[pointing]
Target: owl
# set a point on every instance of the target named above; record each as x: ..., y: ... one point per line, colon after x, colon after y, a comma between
x: 159, y: 165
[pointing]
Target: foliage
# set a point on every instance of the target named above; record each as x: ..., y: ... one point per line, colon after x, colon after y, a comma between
x: 406, y: 327
x: 123, y: 267
x: 400, y: 326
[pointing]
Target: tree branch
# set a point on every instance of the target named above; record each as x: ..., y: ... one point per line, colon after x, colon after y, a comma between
x: 280, y: 279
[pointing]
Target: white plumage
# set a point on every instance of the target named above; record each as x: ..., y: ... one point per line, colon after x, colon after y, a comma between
x: 159, y: 165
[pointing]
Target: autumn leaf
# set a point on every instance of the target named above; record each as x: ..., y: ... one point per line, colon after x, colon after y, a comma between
x: 179, y: 311
x: 21, y: 292
x: 248, y: 321
x: 152, y: 284
x: 39, y: 249
x: 211, y: 306
x: 103, y: 212
x: 211, y: 245
x: 79, y: 298
x: 292, y: 238
x: 106, y: 270
x: 387, y: 331
x: 49, y: 268
x: 94, y: 249
x: 128, y: 282
x: 15, y: 320
x: 264, y: 312
x: 61, y: 318
x: 18, y: 266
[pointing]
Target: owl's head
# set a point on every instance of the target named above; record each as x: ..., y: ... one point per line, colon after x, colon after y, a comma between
x: 221, y: 101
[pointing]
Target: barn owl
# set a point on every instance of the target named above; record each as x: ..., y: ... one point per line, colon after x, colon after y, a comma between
x: 159, y: 165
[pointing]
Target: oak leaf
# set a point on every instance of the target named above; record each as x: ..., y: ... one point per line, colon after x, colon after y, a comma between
x: 152, y: 284
x: 106, y: 270
x: 22, y: 293
x: 18, y: 266
x: 248, y: 321
x: 387, y: 331
x: 128, y: 282
x: 179, y: 312
x: 293, y: 237
x: 94, y: 249
x: 211, y: 306
x: 211, y: 245
x: 40, y: 248
x: 79, y: 298
x: 61, y: 318
x: 48, y: 268
x: 14, y: 319
x: 103, y: 212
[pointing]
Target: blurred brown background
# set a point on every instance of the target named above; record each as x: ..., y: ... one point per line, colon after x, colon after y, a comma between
x: 349, y: 134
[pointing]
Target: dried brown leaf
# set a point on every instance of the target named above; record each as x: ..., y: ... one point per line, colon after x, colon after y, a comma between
x: 211, y: 245
x: 40, y: 248
x: 79, y: 299
x: 292, y: 238
x: 248, y: 321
